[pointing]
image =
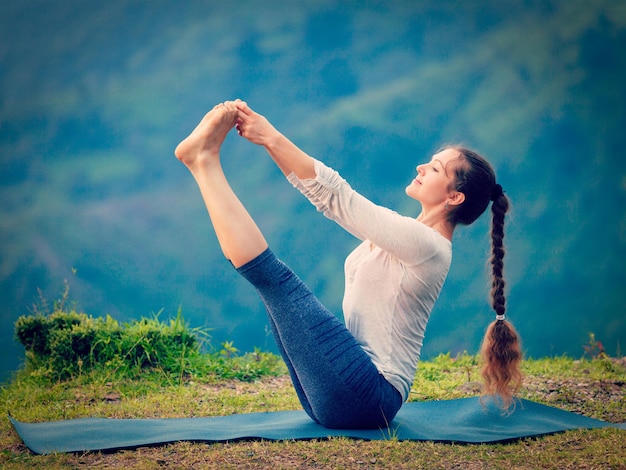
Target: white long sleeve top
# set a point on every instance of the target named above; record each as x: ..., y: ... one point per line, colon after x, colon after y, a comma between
x: 392, y: 279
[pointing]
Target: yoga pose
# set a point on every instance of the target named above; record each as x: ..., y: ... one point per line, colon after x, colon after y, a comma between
x: 358, y: 374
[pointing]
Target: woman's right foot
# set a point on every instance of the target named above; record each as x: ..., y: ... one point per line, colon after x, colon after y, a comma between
x: 204, y: 143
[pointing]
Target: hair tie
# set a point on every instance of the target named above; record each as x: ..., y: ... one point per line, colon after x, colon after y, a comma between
x: 496, y: 192
x: 500, y: 317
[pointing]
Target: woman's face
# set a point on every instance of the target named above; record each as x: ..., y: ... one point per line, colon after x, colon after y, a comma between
x: 435, y: 180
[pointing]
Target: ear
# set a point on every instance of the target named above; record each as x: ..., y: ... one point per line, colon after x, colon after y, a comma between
x: 456, y: 198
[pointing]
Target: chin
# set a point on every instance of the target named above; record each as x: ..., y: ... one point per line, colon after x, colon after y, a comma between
x: 411, y: 193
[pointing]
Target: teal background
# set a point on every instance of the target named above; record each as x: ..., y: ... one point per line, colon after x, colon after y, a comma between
x: 94, y: 97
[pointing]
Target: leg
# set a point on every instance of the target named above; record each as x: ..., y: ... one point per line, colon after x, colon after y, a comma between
x: 336, y: 381
x: 237, y: 233
x: 304, y: 401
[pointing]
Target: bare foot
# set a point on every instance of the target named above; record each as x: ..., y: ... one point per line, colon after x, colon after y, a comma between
x: 204, y: 143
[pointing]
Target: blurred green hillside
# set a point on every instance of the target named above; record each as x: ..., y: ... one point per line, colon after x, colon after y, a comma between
x: 94, y: 96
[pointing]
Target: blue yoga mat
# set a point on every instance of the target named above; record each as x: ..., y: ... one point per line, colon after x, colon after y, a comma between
x: 466, y: 420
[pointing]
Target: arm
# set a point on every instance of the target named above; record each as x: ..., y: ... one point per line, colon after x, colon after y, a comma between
x: 403, y: 237
x: 258, y: 130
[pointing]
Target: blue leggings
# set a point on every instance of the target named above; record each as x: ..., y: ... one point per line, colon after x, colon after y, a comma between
x: 336, y: 381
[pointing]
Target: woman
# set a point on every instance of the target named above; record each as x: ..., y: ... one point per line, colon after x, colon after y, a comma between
x: 357, y: 375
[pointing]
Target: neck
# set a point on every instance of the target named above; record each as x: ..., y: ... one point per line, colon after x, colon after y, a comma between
x: 438, y: 222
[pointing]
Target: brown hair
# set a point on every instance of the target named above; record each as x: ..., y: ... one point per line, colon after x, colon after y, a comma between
x: 501, y: 350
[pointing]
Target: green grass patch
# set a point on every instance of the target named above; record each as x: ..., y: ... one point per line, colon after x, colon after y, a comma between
x: 70, y: 345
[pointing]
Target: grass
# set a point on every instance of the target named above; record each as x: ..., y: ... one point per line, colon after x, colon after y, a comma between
x: 593, y: 386
x: 79, y: 366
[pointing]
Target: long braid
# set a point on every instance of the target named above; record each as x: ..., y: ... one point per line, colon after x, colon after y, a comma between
x: 501, y: 349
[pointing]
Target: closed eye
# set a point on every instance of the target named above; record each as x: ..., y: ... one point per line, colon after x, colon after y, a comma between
x: 435, y: 168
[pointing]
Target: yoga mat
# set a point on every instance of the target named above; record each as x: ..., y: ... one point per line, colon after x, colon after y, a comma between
x: 465, y: 420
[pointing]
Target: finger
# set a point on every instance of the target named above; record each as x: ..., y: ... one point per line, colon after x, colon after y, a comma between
x: 243, y: 107
x: 242, y: 116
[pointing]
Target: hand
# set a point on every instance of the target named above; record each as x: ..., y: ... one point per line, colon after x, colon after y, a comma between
x: 253, y: 126
x: 258, y: 130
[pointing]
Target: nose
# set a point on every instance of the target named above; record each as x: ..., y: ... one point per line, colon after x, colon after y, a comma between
x: 420, y: 169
